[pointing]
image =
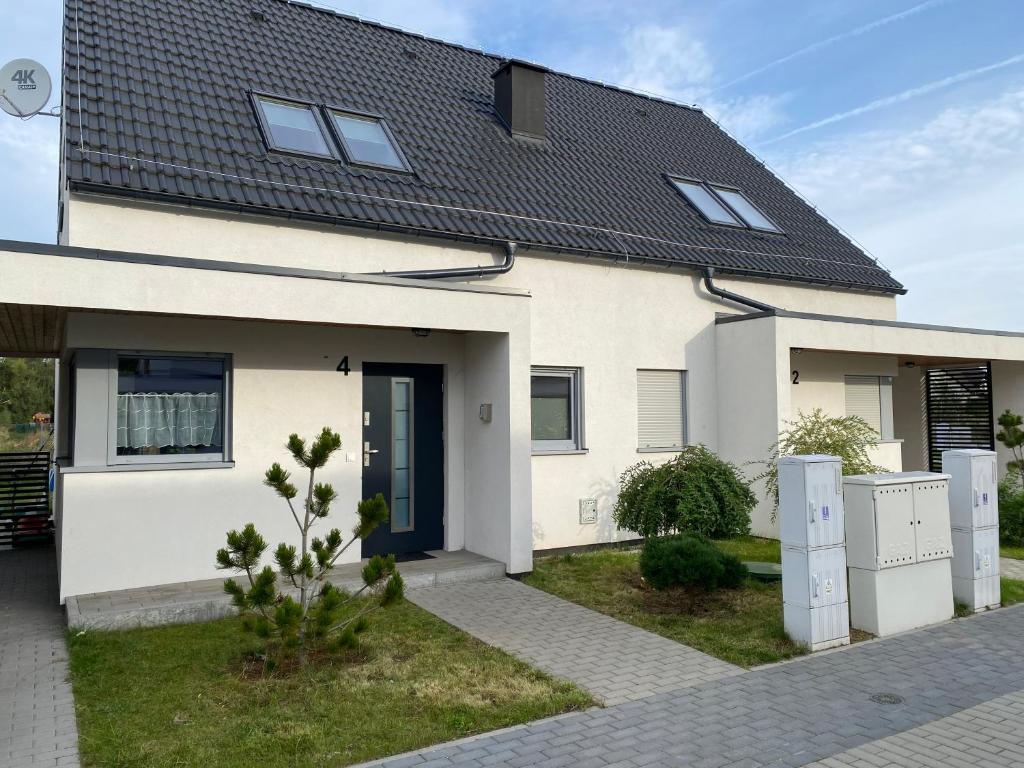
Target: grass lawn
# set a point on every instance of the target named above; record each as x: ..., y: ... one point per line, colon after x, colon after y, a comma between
x: 187, y: 696
x: 1007, y: 550
x: 742, y: 626
x: 1012, y: 591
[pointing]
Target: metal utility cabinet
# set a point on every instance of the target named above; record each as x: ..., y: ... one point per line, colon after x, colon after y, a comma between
x: 899, y: 547
x: 974, y: 512
x: 814, y: 583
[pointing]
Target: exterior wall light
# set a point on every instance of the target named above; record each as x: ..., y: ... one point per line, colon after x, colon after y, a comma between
x: 421, y: 332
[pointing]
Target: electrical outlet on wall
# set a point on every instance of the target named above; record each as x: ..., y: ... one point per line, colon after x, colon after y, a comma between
x: 588, y: 511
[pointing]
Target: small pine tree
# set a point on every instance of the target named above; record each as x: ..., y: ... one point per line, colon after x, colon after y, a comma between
x: 1012, y: 436
x: 321, y: 615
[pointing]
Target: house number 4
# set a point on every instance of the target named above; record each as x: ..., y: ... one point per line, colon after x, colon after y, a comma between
x: 343, y: 365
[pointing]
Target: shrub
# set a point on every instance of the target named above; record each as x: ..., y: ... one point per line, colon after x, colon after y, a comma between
x: 847, y: 437
x: 687, y: 560
x: 696, y: 491
x: 323, y: 615
x: 1011, y: 512
x: 1012, y: 436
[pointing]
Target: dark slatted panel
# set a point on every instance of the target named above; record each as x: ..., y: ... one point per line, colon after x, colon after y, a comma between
x: 959, y: 402
x: 24, y: 496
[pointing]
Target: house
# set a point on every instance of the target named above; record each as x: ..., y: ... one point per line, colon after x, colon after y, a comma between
x: 501, y: 284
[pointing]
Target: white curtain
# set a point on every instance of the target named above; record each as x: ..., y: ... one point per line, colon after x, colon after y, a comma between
x: 155, y: 420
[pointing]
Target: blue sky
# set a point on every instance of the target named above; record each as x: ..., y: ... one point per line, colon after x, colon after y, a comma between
x: 902, y: 120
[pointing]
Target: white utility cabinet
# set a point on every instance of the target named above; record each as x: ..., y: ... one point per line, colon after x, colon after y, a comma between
x: 974, y: 512
x: 814, y: 582
x: 973, y: 488
x: 899, y: 545
x: 811, y: 509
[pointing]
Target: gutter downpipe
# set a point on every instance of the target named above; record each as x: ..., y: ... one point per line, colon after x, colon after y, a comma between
x: 440, y: 274
x: 722, y: 293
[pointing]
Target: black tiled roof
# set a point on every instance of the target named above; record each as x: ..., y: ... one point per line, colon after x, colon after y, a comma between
x: 157, y: 105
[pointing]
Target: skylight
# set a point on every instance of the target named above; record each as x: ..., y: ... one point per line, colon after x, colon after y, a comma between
x: 746, y: 209
x: 724, y: 205
x: 368, y: 141
x: 292, y: 127
x: 705, y: 201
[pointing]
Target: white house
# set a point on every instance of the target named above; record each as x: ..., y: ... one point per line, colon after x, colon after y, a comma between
x: 502, y: 285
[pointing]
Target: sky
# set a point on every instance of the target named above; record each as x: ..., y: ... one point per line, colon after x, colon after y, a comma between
x: 902, y: 121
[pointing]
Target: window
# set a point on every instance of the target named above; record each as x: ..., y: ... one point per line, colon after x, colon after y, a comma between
x: 291, y: 127
x: 870, y: 398
x: 746, y: 209
x: 724, y: 205
x: 555, y: 409
x: 661, y: 410
x: 367, y: 140
x: 170, y: 408
x: 705, y: 201
x: 401, y: 457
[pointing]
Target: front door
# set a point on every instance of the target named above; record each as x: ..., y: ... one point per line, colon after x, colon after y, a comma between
x: 403, y: 455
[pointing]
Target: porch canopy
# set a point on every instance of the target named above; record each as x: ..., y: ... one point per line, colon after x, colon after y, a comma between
x: 923, y: 387
x: 54, y: 299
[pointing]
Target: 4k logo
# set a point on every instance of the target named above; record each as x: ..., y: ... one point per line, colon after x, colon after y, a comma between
x: 25, y: 78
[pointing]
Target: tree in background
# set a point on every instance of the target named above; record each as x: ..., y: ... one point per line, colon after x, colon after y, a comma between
x: 1012, y: 436
x: 323, y: 615
x: 847, y: 437
x: 26, y: 388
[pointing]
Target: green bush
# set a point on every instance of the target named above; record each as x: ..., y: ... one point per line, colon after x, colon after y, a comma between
x: 696, y: 491
x: 687, y: 560
x: 847, y: 437
x: 1011, y: 513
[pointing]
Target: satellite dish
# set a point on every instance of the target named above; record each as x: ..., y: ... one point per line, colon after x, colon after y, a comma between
x: 24, y: 87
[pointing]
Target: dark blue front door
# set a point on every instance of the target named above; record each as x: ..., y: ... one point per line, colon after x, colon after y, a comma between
x: 403, y: 455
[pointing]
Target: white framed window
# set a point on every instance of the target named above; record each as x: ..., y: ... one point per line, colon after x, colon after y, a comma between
x: 661, y: 410
x: 169, y: 408
x: 870, y: 398
x: 556, y: 413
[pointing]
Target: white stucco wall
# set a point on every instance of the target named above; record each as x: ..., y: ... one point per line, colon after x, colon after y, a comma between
x: 608, y: 320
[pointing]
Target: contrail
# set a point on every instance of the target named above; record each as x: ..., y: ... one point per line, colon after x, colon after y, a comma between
x: 898, y: 98
x: 834, y: 39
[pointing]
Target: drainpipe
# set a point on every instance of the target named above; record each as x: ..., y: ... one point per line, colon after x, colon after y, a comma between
x: 709, y: 275
x: 440, y: 274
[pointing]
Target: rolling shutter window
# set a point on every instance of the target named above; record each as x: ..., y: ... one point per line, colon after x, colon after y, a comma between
x: 864, y: 399
x: 661, y: 414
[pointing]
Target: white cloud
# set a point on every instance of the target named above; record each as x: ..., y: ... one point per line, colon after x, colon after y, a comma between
x: 669, y: 61
x: 939, y: 204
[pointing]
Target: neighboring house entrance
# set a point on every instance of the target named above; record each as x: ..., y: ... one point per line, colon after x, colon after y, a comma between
x: 959, y: 408
x: 403, y: 455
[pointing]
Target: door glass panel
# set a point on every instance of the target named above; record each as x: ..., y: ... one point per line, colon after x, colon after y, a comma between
x: 401, y: 455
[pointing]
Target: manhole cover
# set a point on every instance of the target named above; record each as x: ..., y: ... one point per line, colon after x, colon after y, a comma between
x: 887, y: 698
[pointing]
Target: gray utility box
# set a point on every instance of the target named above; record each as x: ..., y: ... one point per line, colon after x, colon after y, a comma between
x: 899, y: 546
x: 814, y: 582
x: 974, y: 512
x: 811, y: 507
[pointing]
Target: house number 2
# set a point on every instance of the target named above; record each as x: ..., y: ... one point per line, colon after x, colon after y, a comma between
x: 796, y: 377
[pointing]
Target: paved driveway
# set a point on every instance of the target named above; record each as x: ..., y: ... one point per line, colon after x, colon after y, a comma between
x: 956, y: 693
x: 37, y: 714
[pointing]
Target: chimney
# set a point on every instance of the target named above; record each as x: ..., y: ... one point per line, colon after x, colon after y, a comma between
x: 520, y: 98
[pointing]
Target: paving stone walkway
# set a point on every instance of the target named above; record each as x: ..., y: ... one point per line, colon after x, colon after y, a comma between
x: 820, y: 710
x: 1011, y: 569
x: 615, y: 661
x: 37, y: 713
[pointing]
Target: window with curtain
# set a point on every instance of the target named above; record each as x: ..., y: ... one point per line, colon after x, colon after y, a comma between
x: 170, y: 406
x: 661, y: 412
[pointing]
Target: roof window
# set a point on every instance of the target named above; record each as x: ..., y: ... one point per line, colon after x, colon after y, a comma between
x: 367, y: 140
x: 292, y: 127
x: 724, y: 205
